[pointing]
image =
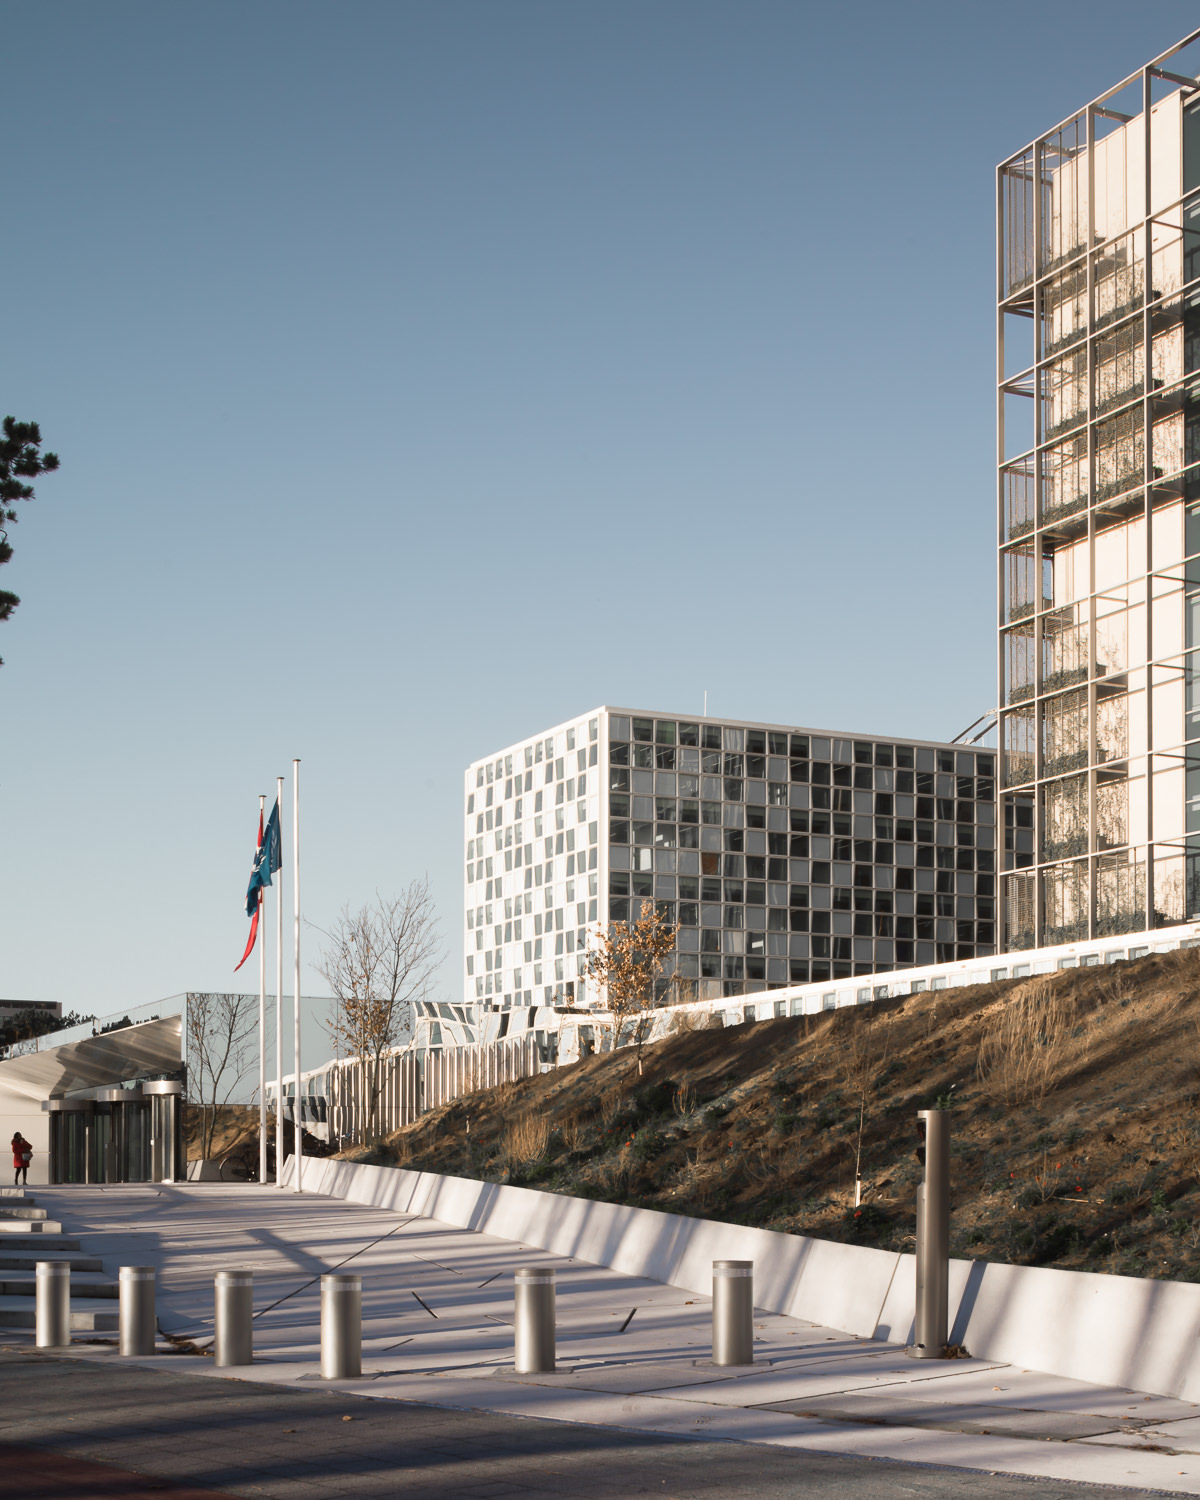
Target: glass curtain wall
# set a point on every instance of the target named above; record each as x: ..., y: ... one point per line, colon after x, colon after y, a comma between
x: 1099, y: 516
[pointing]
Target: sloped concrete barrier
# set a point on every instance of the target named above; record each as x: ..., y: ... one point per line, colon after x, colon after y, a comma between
x: 1114, y: 1330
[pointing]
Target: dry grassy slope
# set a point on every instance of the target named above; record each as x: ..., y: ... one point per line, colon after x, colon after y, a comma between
x: 1080, y: 1148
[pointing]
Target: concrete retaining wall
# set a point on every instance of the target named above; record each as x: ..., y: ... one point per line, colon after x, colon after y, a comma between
x: 1114, y: 1330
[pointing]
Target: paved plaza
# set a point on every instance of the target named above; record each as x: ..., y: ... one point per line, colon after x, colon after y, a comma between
x: 636, y: 1407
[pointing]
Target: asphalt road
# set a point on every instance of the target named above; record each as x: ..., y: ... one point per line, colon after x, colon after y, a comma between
x: 241, y: 1438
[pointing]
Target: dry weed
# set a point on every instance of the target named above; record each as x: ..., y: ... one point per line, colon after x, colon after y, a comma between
x: 1046, y: 1179
x: 762, y: 1164
x: 527, y: 1138
x: 1030, y: 1045
x: 572, y: 1133
x: 684, y: 1102
x: 610, y: 1103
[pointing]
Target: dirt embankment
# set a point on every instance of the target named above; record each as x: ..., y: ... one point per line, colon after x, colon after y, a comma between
x: 1076, y: 1121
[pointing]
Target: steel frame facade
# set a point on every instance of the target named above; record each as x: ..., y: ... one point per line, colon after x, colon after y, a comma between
x: 1098, y: 509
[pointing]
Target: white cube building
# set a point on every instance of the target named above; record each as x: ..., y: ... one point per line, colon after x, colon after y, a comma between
x: 785, y: 855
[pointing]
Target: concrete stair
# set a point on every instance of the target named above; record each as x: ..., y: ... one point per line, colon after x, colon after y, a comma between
x: 19, y: 1214
x: 49, y: 1249
x: 81, y: 1286
x: 50, y: 1246
x: 92, y: 1296
x: 88, y: 1314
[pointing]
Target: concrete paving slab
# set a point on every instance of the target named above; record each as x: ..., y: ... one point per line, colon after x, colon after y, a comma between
x: 797, y: 1380
x: 1140, y: 1442
x: 1032, y: 1459
x: 629, y: 1379
x: 1182, y: 1432
x: 1000, y: 1421
x: 645, y: 1375
x: 1004, y: 1385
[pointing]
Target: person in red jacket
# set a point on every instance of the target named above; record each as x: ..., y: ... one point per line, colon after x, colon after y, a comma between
x: 22, y: 1155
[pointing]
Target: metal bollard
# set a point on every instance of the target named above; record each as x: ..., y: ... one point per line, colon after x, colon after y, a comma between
x: 933, y: 1240
x: 137, y: 1322
x: 733, y: 1312
x: 341, y: 1327
x: 534, y: 1320
x: 53, y: 1304
x: 234, y: 1322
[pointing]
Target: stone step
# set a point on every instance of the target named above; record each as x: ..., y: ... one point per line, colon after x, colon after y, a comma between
x: 12, y: 1199
x: 81, y: 1286
x: 88, y: 1315
x: 49, y: 1246
x: 21, y: 1213
x: 14, y: 1261
x: 30, y: 1226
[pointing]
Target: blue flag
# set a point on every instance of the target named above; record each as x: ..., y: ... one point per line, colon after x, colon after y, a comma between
x: 272, y: 849
x: 268, y: 858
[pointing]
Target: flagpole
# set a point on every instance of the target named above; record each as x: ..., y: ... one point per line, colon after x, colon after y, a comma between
x: 262, y: 1026
x: 296, y: 976
x: 279, y: 1128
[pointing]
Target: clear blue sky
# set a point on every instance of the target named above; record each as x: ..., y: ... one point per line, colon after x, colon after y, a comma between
x: 426, y: 374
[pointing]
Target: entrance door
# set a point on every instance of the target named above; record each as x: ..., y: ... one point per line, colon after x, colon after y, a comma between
x: 135, y: 1142
x: 68, y: 1145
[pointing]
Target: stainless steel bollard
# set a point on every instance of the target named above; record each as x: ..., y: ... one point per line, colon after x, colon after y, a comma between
x: 933, y: 1240
x: 534, y: 1320
x: 733, y: 1312
x: 137, y: 1322
x: 53, y: 1304
x: 234, y: 1322
x: 341, y: 1326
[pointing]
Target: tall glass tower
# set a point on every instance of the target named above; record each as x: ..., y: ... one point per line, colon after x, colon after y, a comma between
x: 1099, y: 513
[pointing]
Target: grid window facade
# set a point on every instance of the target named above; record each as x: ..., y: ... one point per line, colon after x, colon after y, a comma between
x: 784, y: 855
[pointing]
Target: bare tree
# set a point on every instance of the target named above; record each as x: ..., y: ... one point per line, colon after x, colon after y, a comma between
x: 627, y: 958
x: 222, y: 1038
x: 376, y: 962
x: 863, y: 1058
